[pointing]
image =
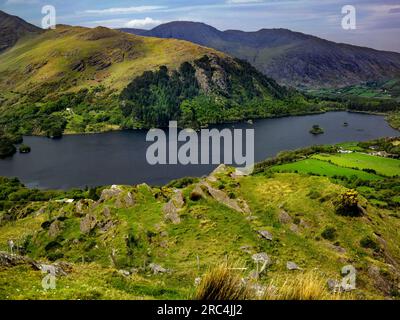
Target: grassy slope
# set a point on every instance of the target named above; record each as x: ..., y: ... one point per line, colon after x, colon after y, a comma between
x: 55, y: 51
x: 208, y: 234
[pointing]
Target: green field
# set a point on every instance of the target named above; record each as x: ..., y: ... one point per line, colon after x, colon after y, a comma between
x: 383, y: 166
x: 323, y: 168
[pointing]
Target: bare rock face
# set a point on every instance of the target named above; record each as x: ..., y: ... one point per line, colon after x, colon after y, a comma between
x: 88, y: 223
x: 55, y: 229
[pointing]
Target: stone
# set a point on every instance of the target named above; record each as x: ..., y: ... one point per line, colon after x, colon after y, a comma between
x: 124, y: 273
x: 265, y: 234
x: 178, y: 199
x: 171, y: 213
x: 55, y: 229
x: 261, y: 257
x: 82, y: 206
x: 88, y: 223
x: 107, y: 225
x: 284, y: 217
x: 125, y: 201
x: 107, y: 212
x: 108, y: 194
x: 155, y: 268
x: 292, y: 266
x: 197, y: 193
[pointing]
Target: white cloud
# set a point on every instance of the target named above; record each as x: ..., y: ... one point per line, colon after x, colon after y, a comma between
x: 127, y: 10
x: 142, y: 23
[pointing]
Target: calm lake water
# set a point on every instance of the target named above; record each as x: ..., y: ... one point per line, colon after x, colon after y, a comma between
x: 120, y: 157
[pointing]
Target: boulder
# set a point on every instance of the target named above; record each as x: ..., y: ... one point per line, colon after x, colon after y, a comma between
x: 88, y: 223
x: 284, y: 217
x: 261, y: 257
x: 108, y: 194
x: 171, y: 213
x: 156, y: 269
x: 125, y: 201
x: 55, y: 229
x: 292, y: 266
x: 265, y: 235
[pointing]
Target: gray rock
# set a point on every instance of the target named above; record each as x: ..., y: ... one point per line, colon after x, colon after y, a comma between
x: 155, y: 268
x: 88, y: 223
x: 292, y: 266
x: 55, y: 229
x: 125, y: 273
x: 171, y: 213
x: 265, y: 234
x: 108, y: 194
x: 261, y: 257
x: 284, y: 217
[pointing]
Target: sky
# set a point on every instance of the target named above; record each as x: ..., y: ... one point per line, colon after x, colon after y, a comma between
x: 377, y: 21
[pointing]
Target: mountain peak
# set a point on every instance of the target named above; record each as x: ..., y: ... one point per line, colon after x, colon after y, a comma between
x: 13, y: 28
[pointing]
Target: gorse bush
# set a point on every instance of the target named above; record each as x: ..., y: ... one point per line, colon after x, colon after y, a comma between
x: 347, y: 204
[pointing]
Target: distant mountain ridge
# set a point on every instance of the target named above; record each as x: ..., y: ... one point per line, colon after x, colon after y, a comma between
x: 291, y: 58
x: 13, y: 28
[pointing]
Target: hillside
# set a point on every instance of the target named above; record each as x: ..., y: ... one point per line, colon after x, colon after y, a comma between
x: 13, y: 28
x: 291, y: 58
x: 141, y: 242
x: 75, y: 79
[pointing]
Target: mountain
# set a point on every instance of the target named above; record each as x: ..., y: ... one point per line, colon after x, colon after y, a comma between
x: 76, y: 79
x: 291, y: 58
x: 13, y: 28
x: 142, y: 242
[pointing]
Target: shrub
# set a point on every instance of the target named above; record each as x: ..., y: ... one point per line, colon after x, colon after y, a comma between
x: 347, y: 204
x: 368, y: 242
x: 329, y: 233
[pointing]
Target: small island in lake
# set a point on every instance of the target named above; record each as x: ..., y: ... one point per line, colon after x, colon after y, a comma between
x: 316, y: 129
x: 23, y: 148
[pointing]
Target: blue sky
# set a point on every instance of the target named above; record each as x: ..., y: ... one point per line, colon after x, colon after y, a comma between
x: 378, y: 21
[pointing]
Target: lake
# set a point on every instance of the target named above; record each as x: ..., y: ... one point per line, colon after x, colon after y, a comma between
x: 120, y: 157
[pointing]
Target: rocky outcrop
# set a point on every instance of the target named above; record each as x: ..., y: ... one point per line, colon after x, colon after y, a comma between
x: 172, y: 208
x: 88, y: 223
x: 55, y: 229
x: 9, y: 261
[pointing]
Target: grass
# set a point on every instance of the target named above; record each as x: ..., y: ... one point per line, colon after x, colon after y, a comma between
x: 208, y: 233
x: 301, y: 286
x: 383, y: 166
x: 323, y: 168
x: 222, y: 283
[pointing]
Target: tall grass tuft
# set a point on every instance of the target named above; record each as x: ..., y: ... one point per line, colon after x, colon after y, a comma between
x: 222, y: 283
x: 301, y: 286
